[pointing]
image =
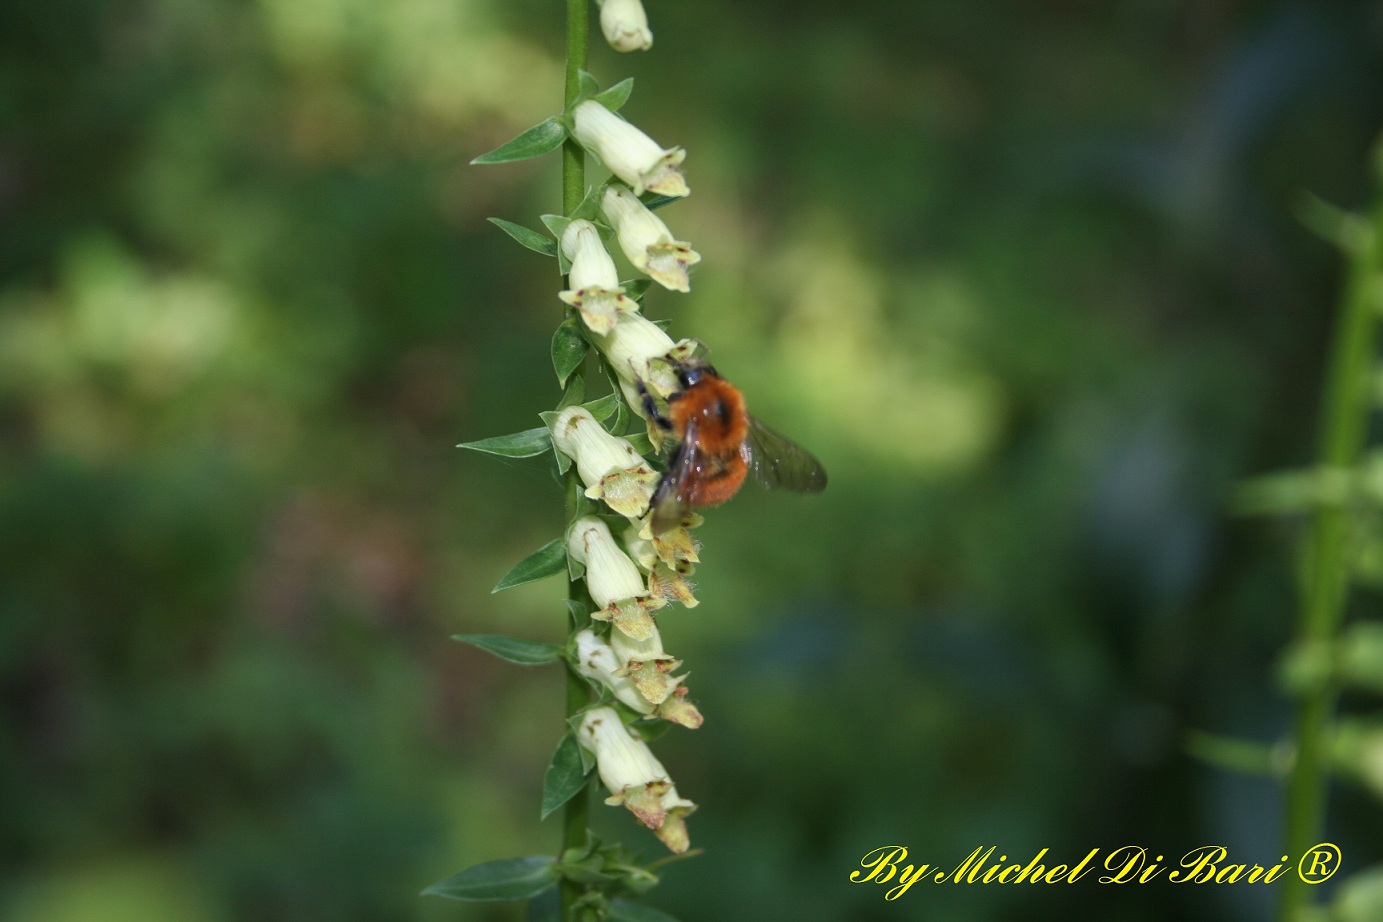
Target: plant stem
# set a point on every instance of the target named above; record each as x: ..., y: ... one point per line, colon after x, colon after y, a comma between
x: 1345, y: 413
x: 575, y: 815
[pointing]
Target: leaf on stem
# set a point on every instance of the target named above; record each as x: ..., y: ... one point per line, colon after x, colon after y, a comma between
x: 524, y: 444
x: 535, y: 241
x: 565, y: 776
x: 569, y: 348
x: 513, y: 649
x: 616, y: 96
x: 548, y: 560
x: 543, y: 138
x: 508, y: 879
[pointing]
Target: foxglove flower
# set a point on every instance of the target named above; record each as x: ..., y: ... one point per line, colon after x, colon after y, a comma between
x: 625, y: 25
x: 595, y: 289
x: 629, y: 153
x: 646, y: 664
x: 597, y: 660
x: 674, y: 549
x: 615, y: 583
x: 609, y: 466
x: 635, y: 778
x: 646, y: 241
x: 639, y: 351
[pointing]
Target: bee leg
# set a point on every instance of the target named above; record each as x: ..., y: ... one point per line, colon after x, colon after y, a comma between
x: 650, y: 408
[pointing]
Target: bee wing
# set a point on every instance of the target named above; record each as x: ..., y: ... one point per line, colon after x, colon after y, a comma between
x: 672, y: 500
x: 780, y: 463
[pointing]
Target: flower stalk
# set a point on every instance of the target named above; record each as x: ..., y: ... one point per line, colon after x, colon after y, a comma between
x: 576, y: 813
x: 1346, y: 408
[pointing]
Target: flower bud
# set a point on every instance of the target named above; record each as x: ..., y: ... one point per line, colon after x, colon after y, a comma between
x: 628, y: 153
x: 625, y: 25
x: 595, y: 290
x: 646, y: 241
x: 609, y: 466
x: 635, y: 778
x: 614, y: 582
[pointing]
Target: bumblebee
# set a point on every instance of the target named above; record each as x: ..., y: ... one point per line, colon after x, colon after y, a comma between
x: 716, y: 445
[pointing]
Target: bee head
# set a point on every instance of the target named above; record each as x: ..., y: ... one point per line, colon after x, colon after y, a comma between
x: 690, y: 374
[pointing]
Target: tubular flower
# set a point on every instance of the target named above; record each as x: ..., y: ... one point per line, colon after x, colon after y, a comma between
x: 596, y: 660
x: 629, y: 153
x: 609, y: 466
x: 595, y: 289
x: 674, y: 549
x: 647, y: 242
x: 625, y: 25
x: 635, y: 778
x: 640, y: 352
x: 614, y: 582
x: 647, y: 665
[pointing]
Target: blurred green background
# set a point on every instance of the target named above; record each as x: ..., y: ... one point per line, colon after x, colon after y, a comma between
x: 1025, y: 275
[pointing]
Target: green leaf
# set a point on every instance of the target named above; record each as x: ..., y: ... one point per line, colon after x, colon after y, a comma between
x: 650, y: 730
x: 569, y: 348
x: 625, y: 911
x: 574, y: 393
x: 654, y: 202
x: 580, y: 612
x: 1350, y: 232
x: 565, y: 776
x: 641, y: 443
x: 548, y: 560
x: 524, y: 444
x: 602, y: 408
x: 513, y: 649
x: 636, y: 288
x: 541, y: 139
x: 1234, y: 754
x: 535, y: 241
x: 549, y: 417
x: 509, y: 879
x: 557, y: 224
x: 586, y: 84
x: 616, y: 96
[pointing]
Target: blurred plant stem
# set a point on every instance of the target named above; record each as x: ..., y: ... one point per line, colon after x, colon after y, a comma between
x: 575, y: 815
x: 1345, y: 412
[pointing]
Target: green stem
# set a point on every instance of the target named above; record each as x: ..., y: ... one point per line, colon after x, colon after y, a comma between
x: 575, y: 816
x: 1345, y: 414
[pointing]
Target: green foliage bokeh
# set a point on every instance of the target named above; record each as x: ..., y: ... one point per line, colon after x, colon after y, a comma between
x: 1024, y: 276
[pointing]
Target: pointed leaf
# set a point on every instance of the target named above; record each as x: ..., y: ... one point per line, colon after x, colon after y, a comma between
x: 513, y: 649
x: 548, y: 560
x: 625, y: 911
x: 616, y: 96
x: 574, y: 393
x: 587, y: 85
x: 509, y: 879
x: 565, y: 776
x: 535, y: 241
x: 603, y: 408
x: 636, y: 288
x: 558, y: 225
x: 541, y: 139
x: 561, y: 457
x: 569, y: 348
x: 524, y: 444
x: 654, y: 202
x: 580, y: 612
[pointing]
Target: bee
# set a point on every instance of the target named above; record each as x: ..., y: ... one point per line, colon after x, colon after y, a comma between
x: 717, y: 444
